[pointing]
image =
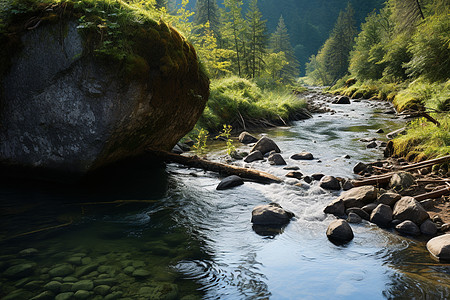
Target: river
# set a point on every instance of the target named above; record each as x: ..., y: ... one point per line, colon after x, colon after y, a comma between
x: 185, y: 240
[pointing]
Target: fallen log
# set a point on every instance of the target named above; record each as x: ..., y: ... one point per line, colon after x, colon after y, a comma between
x: 426, y: 163
x: 434, y: 194
x: 373, y: 180
x: 224, y: 169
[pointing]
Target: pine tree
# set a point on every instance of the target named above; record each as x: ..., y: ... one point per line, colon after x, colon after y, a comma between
x: 208, y: 11
x: 280, y: 42
x: 256, y: 39
x: 233, y: 30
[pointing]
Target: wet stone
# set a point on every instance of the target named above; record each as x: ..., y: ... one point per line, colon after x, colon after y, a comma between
x: 102, y: 289
x: 408, y: 227
x: 69, y: 279
x: 86, y: 285
x: 230, y: 182
x: 138, y: 264
x: 76, y: 260
x: 18, y: 295
x: 64, y: 296
x: 47, y: 295
x: 105, y: 281
x: 428, y: 228
x: 53, y: 286
x: 81, y: 294
x: 141, y: 273
x: 20, y: 270
x: 33, y: 285
x: 114, y: 295
x: 129, y: 270
x: 86, y: 260
x: 28, y: 252
x: 61, y: 270
x: 354, y: 218
x: 303, y: 156
x: 297, y: 175
x: 66, y: 287
x: 86, y: 269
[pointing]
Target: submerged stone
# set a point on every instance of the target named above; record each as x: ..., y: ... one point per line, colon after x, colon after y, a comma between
x: 230, y: 182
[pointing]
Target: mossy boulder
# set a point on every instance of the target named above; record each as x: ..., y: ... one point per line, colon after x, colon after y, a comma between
x: 69, y: 103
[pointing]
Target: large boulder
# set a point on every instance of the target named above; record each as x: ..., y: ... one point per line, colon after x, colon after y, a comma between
x: 339, y: 232
x: 359, y: 196
x: 439, y: 247
x: 271, y: 214
x: 247, y: 138
x: 407, y: 208
x: 67, y: 107
x: 265, y: 145
x: 381, y: 215
x: 389, y: 198
x: 336, y: 207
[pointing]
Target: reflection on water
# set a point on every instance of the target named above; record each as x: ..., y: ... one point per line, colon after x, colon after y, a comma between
x: 185, y: 239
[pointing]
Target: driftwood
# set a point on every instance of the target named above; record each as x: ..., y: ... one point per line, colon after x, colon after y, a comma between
x: 196, y: 162
x: 434, y: 194
x: 384, y: 178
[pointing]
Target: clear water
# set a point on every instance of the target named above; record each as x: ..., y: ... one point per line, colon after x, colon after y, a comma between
x: 196, y: 242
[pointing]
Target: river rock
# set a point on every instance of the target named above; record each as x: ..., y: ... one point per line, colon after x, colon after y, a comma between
x: 389, y: 198
x: 20, y: 270
x: 270, y: 214
x: 64, y: 296
x: 330, y: 183
x: 339, y: 232
x: 292, y: 168
x: 317, y: 176
x: 82, y: 294
x: 308, y: 179
x: 230, y: 182
x: 247, y: 138
x: 372, y: 145
x: 381, y: 215
x: 177, y: 149
x: 354, y: 218
x: 255, y: 155
x: 342, y: 100
x: 86, y: 285
x: 102, y: 290
x: 28, y: 252
x: 87, y: 268
x: 303, y: 156
x: 401, y: 181
x: 408, y: 227
x: 407, y: 208
x: 347, y: 185
x: 64, y: 109
x: 296, y: 175
x: 380, y: 130
x: 141, y: 273
x: 336, y: 207
x: 276, y: 159
x: 369, y: 207
x: 428, y: 228
x: 54, y: 286
x: 439, y: 247
x: 61, y: 270
x: 114, y: 295
x: 359, y: 167
x: 265, y: 145
x: 359, y: 196
x: 46, y: 295
x: 359, y: 211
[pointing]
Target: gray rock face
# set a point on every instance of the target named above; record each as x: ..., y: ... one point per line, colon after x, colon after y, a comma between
x: 389, y: 198
x: 230, y: 182
x: 439, y: 247
x: 407, y: 208
x: 330, y: 183
x: 408, y: 227
x: 255, y: 155
x: 303, y: 156
x: 401, y: 181
x: 247, y: 138
x: 265, y: 145
x: 359, y: 196
x: 66, y: 111
x: 276, y: 159
x: 339, y: 232
x: 381, y: 215
x: 428, y: 228
x: 271, y: 214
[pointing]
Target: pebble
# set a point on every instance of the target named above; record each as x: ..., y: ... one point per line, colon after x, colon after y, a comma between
x: 87, y: 285
x: 141, y: 273
x: 64, y: 296
x: 61, y: 270
x: 102, y: 289
x: 81, y: 294
x: 53, y: 286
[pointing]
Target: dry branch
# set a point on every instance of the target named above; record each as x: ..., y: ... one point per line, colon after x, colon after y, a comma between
x: 434, y: 194
x: 196, y: 162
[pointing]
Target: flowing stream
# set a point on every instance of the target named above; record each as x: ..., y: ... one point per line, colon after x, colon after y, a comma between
x: 189, y: 241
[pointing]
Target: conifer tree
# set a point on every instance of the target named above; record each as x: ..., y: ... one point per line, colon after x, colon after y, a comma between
x: 256, y: 39
x: 280, y: 42
x: 233, y: 29
x: 208, y: 11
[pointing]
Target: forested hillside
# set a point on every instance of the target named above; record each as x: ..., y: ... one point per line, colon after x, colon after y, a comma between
x: 308, y: 22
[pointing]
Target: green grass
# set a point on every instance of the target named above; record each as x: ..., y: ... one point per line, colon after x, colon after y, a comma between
x: 243, y: 104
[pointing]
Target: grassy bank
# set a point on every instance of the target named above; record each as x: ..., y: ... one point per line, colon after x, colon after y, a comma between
x: 423, y: 139
x: 245, y: 105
